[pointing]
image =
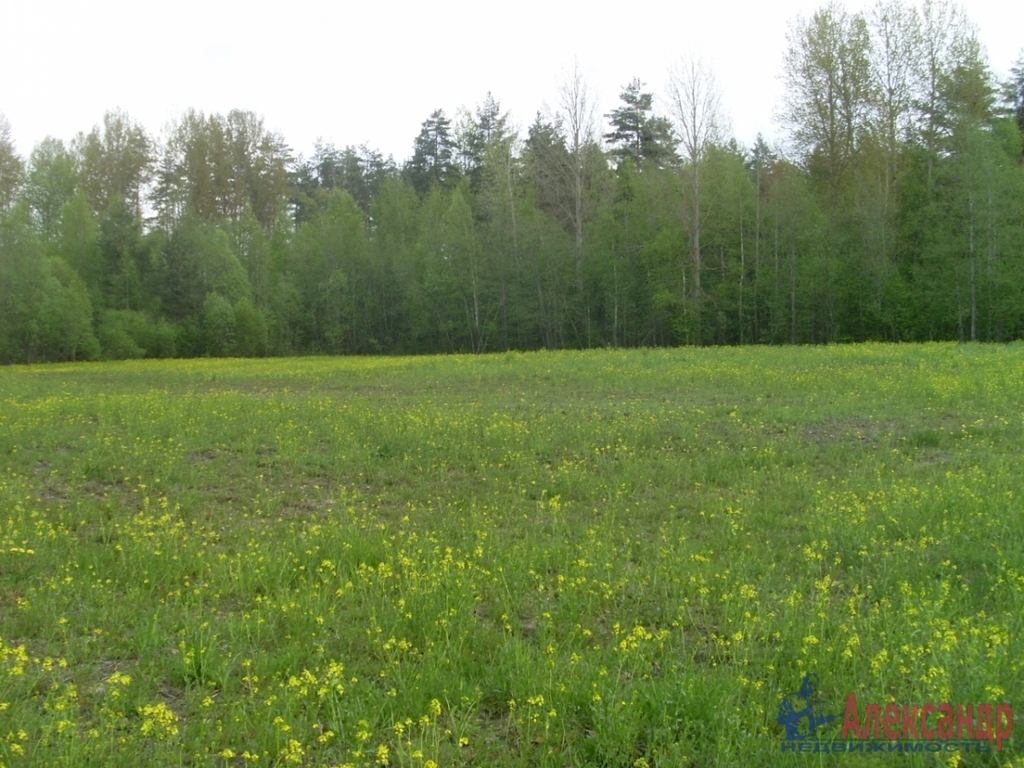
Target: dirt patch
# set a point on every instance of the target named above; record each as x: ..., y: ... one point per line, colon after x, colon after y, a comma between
x: 851, y: 431
x: 932, y: 458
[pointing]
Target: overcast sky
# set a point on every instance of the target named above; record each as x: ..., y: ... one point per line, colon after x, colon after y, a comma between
x: 371, y: 72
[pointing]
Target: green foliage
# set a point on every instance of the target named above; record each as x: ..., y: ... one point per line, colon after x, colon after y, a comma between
x: 640, y: 138
x: 189, y: 340
x: 828, y: 92
x: 250, y: 331
x: 79, y: 241
x: 126, y: 334
x: 476, y: 136
x: 65, y: 316
x: 50, y: 183
x: 198, y: 260
x: 12, y: 168
x: 115, y: 163
x: 120, y: 334
x: 252, y: 246
x: 433, y: 158
x: 218, y: 325
x: 1013, y: 93
x: 45, y: 310
x: 122, y: 258
x: 22, y: 275
x: 216, y: 167
x: 458, y: 299
x: 326, y: 250
x: 159, y: 338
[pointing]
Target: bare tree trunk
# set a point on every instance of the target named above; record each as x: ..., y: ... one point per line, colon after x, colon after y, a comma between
x: 757, y: 254
x: 696, y: 106
x: 776, y: 310
x: 743, y: 271
x: 578, y: 113
x: 515, y: 246
x: 974, y: 292
x: 792, y: 292
x: 615, y: 318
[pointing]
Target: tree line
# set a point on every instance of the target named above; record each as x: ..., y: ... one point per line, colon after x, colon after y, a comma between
x: 893, y: 211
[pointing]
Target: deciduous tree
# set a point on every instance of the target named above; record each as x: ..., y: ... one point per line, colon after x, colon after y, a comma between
x: 576, y: 120
x: 216, y: 167
x: 12, y: 169
x: 115, y: 162
x: 696, y: 106
x: 51, y: 182
x: 829, y: 92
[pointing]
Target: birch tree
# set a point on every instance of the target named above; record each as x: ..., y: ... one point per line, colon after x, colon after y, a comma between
x: 696, y: 105
x: 115, y: 162
x: 828, y: 91
x: 576, y: 114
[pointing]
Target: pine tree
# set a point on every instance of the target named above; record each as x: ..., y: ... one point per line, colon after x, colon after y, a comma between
x: 1013, y: 93
x: 433, y: 159
x: 636, y: 135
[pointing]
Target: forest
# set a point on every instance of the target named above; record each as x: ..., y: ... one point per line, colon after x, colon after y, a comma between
x: 893, y: 210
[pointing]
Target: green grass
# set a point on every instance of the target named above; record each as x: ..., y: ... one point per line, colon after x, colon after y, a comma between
x: 546, y: 559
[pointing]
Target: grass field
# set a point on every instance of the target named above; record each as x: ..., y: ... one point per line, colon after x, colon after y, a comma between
x: 547, y: 559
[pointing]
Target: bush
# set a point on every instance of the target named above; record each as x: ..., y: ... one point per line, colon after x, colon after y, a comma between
x: 218, y: 325
x: 127, y: 334
x: 250, y: 331
x: 119, y: 331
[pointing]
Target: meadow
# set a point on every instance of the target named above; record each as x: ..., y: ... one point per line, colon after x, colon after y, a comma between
x: 544, y: 559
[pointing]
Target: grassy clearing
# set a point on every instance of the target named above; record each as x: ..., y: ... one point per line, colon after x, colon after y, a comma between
x: 602, y: 559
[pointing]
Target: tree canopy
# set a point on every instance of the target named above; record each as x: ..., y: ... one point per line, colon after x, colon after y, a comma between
x: 893, y: 209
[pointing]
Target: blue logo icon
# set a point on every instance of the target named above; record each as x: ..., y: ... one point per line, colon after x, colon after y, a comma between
x: 799, y: 711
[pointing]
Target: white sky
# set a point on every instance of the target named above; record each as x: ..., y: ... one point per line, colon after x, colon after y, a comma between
x: 371, y: 72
